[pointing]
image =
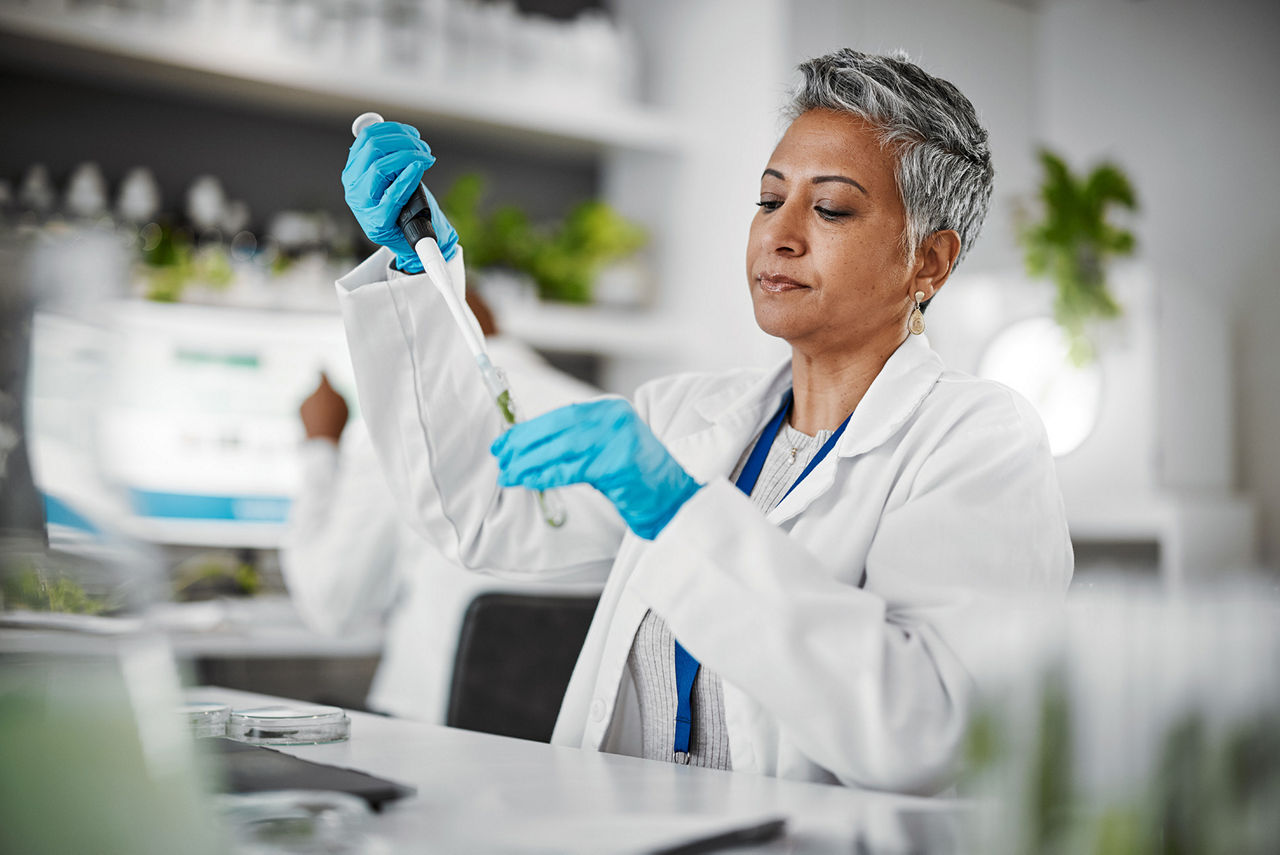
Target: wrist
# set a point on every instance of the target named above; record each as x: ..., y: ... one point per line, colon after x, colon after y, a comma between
x: 652, y: 525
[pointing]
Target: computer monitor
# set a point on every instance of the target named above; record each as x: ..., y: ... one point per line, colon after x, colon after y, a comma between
x: 187, y: 414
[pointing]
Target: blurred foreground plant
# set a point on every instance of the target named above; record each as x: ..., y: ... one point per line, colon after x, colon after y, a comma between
x: 1072, y: 241
x: 32, y: 589
x: 1211, y: 790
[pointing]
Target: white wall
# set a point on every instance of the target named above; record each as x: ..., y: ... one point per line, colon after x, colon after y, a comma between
x: 1183, y: 94
x: 717, y: 66
x: 985, y: 47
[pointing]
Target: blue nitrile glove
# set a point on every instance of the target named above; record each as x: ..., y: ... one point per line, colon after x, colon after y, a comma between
x: 607, y: 445
x: 385, y: 165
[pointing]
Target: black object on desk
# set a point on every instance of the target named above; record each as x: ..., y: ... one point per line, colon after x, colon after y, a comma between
x: 256, y: 768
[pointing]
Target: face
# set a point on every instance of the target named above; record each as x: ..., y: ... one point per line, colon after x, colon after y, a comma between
x: 824, y: 259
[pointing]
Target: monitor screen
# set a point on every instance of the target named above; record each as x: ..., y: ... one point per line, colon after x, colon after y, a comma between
x: 188, y: 414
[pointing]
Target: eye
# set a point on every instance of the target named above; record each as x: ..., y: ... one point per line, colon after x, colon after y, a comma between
x: 830, y: 214
x: 769, y: 204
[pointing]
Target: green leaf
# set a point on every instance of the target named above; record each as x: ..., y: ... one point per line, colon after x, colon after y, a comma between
x: 1072, y: 241
x: 562, y: 258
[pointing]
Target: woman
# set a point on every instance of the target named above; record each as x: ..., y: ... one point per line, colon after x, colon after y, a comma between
x: 813, y: 536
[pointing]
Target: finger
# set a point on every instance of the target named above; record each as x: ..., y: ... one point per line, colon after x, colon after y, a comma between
x: 536, y: 431
x: 371, y: 187
x: 369, y: 147
x: 522, y: 436
x: 392, y: 166
x: 554, y: 476
x: 402, y: 188
x: 570, y: 450
x: 389, y: 129
x: 385, y: 137
x: 558, y: 474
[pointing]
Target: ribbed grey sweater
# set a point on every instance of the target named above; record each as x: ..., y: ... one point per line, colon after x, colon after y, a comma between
x: 652, y: 657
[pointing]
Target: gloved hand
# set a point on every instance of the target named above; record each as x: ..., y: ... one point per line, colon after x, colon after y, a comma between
x: 384, y: 167
x: 604, y: 444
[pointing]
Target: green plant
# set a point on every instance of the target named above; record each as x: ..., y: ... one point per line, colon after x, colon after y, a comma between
x: 1072, y: 242
x: 563, y: 258
x: 33, y: 589
x: 216, y: 574
x: 170, y: 262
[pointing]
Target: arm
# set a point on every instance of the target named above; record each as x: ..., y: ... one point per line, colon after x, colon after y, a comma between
x: 868, y: 682
x: 339, y: 551
x: 432, y: 420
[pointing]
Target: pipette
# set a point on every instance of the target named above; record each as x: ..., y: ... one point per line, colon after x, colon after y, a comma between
x: 415, y: 222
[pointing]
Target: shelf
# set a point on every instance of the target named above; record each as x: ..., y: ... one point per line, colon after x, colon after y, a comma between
x: 1142, y: 519
x: 179, y: 57
x: 598, y: 330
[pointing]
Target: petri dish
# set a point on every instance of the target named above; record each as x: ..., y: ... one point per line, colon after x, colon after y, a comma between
x: 206, y: 719
x: 296, y: 822
x: 301, y: 724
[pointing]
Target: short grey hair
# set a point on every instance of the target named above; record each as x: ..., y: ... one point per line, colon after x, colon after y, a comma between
x: 944, y: 169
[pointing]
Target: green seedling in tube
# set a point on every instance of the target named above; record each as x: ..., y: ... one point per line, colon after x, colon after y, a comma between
x: 552, y: 509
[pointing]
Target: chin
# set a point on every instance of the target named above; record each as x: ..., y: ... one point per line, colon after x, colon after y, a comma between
x: 778, y: 324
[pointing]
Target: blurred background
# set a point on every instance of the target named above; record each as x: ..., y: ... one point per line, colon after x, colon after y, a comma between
x: 171, y: 223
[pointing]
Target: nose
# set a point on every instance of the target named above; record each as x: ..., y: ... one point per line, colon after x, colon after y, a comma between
x: 780, y: 230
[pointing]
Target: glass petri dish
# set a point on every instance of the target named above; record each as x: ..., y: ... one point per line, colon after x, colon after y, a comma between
x: 206, y: 719
x: 295, y: 822
x: 302, y: 724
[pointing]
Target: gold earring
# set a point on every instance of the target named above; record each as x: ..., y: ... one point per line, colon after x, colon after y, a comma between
x: 916, y: 322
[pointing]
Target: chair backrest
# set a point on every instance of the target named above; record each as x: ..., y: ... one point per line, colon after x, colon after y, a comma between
x: 515, y: 655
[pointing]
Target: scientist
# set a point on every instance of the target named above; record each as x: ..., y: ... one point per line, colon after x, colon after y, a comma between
x: 794, y: 554
x: 348, y: 558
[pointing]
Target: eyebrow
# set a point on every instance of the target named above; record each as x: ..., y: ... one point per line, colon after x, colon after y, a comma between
x: 820, y: 179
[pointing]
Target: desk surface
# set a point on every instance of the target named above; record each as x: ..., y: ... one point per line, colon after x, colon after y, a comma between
x: 483, y: 793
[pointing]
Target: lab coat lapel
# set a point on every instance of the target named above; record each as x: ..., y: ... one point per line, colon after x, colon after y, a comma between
x: 736, y: 418
x: 891, y: 399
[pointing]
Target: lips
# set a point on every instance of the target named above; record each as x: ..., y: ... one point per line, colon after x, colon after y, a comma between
x: 775, y: 283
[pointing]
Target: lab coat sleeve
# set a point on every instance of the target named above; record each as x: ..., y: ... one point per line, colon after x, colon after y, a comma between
x: 339, y: 550
x: 864, y: 681
x: 432, y: 421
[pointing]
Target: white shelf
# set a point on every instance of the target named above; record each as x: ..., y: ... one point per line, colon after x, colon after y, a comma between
x: 1141, y: 519
x: 182, y: 58
x: 599, y: 330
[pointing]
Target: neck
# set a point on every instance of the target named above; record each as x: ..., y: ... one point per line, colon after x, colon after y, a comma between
x: 828, y: 387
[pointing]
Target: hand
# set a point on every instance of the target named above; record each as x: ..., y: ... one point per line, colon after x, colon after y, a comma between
x: 324, y: 412
x: 604, y: 444
x: 385, y: 165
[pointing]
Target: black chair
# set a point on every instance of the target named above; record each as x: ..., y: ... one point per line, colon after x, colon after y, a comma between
x: 515, y: 655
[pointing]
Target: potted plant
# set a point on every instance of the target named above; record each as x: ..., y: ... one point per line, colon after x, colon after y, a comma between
x: 563, y: 259
x: 1072, y: 241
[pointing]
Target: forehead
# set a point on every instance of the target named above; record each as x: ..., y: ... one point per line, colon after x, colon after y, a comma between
x: 829, y: 142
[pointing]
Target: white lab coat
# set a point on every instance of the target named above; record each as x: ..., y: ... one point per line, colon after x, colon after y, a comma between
x: 348, y: 558
x: 836, y: 621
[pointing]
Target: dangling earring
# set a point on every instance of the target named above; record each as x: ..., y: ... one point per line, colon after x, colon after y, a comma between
x: 916, y: 322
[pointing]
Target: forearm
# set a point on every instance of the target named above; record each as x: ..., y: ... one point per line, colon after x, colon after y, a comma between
x: 338, y: 551
x: 432, y: 420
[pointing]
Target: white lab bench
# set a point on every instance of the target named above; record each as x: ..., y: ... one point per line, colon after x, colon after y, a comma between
x: 482, y: 793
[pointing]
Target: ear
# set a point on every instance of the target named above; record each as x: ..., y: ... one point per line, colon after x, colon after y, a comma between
x: 934, y: 259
